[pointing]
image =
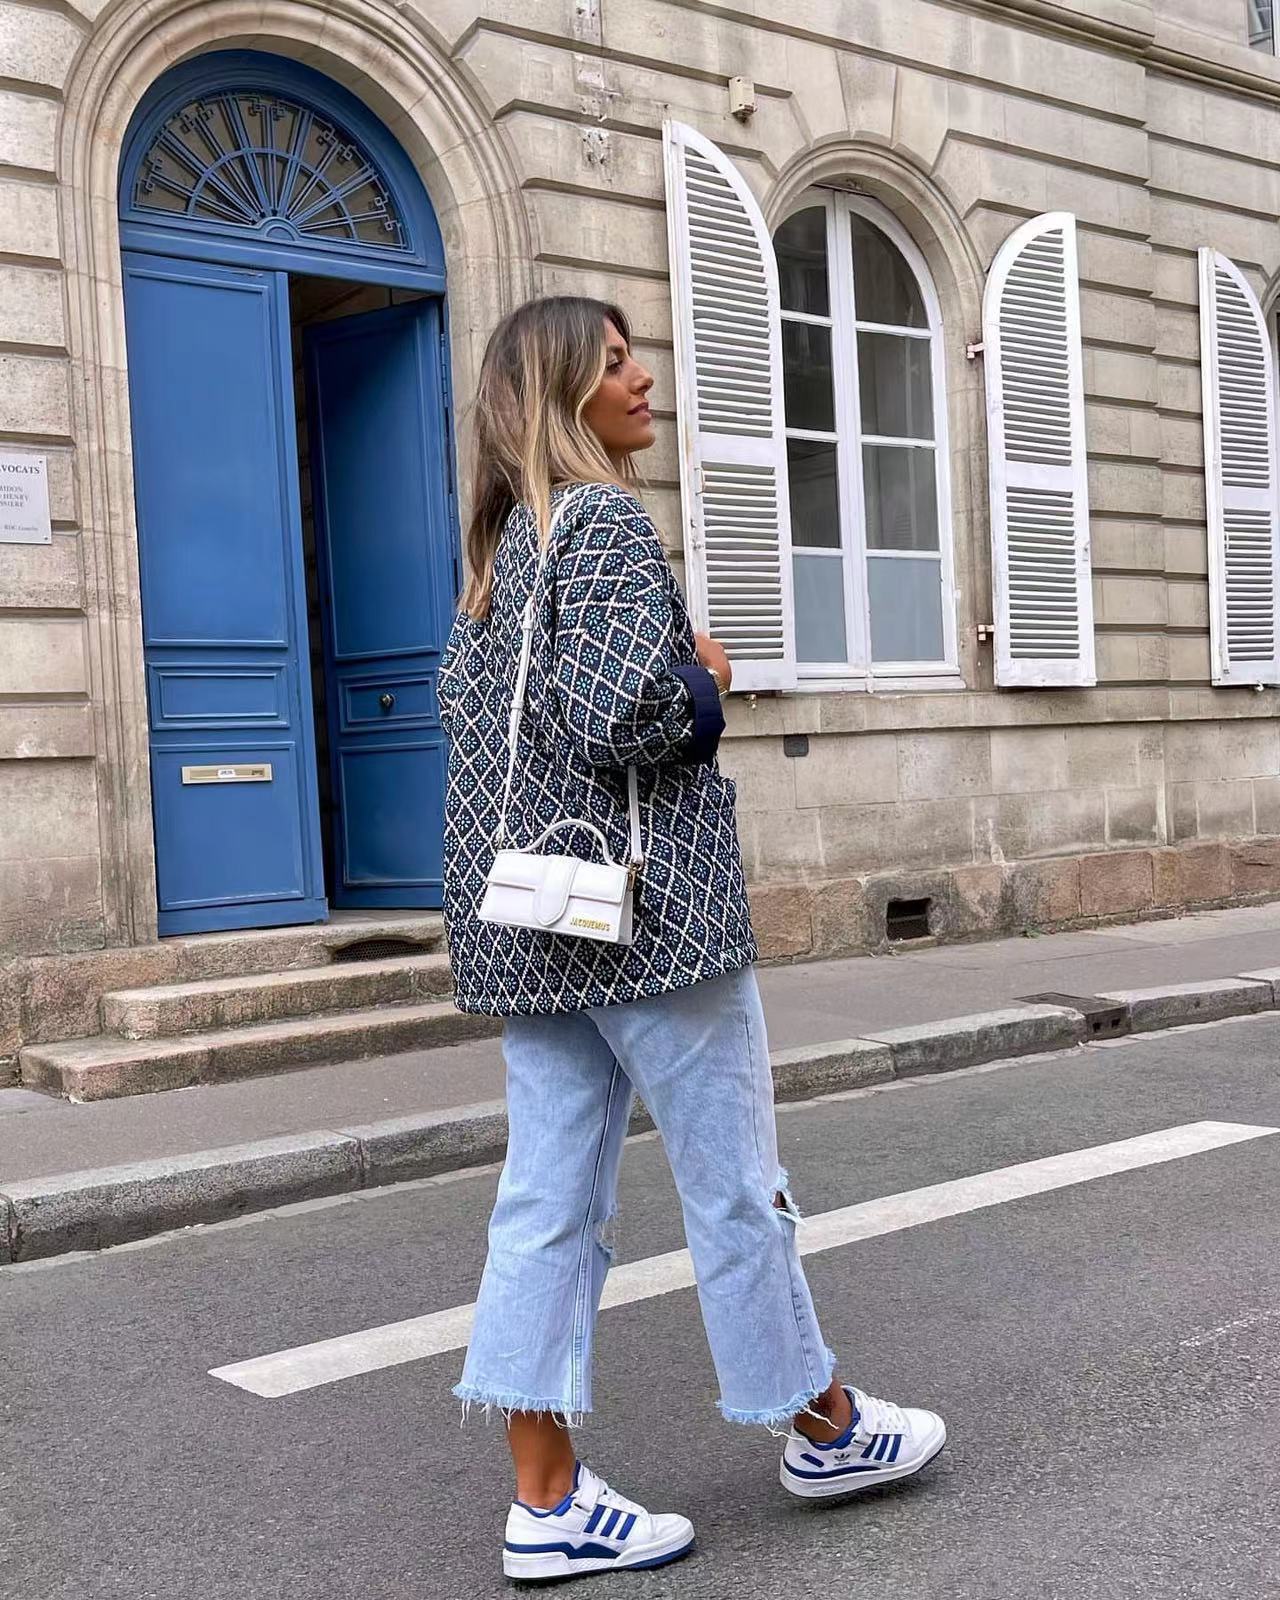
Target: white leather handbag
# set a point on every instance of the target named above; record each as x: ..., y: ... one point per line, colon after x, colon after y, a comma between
x: 558, y: 893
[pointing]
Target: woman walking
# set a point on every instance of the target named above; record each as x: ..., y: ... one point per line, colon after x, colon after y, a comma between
x: 617, y: 699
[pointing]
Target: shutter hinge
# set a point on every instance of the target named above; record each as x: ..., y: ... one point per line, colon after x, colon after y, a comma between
x: 973, y: 351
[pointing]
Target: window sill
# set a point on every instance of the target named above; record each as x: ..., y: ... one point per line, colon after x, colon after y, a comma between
x: 945, y: 681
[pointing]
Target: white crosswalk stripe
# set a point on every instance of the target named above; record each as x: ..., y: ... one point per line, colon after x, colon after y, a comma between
x: 329, y: 1360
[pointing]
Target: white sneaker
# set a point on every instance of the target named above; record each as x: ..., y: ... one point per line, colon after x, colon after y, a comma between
x: 882, y: 1442
x: 593, y: 1529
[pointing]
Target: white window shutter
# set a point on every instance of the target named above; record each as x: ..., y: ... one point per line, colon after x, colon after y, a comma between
x: 1036, y: 451
x: 733, y: 448
x: 1237, y: 372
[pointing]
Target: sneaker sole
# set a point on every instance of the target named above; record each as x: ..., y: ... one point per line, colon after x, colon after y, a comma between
x: 554, y: 1566
x: 826, y: 1488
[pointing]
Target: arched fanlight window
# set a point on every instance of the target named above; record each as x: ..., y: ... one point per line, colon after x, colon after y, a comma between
x: 866, y: 442
x: 264, y: 163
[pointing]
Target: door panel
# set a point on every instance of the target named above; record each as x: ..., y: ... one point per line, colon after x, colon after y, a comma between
x: 375, y: 389
x: 220, y: 550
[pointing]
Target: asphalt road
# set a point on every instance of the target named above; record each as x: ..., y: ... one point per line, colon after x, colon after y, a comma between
x: 1107, y: 1356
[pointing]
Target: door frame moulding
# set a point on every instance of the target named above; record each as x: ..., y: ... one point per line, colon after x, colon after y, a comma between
x: 402, y: 72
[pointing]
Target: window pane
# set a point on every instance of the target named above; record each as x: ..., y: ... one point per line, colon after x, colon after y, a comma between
x: 900, y: 486
x: 801, y: 248
x: 819, y: 607
x: 815, y: 504
x: 896, y: 385
x: 906, y: 609
x: 1261, y: 25
x: 806, y: 377
x: 884, y: 286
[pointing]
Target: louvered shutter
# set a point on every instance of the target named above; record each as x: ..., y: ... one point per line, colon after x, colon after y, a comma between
x: 733, y: 450
x: 1036, y: 452
x: 1237, y: 373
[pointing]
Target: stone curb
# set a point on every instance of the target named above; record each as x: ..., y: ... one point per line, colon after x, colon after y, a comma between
x: 113, y: 1205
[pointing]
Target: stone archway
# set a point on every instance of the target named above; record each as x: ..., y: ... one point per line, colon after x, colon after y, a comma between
x: 403, y: 73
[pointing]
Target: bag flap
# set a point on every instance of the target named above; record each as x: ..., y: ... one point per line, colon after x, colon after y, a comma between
x: 592, y: 880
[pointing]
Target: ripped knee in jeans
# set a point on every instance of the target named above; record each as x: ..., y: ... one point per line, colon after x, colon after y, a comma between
x: 782, y: 1201
x: 607, y: 1234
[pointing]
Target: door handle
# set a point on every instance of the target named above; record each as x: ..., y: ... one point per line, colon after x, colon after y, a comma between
x: 386, y: 701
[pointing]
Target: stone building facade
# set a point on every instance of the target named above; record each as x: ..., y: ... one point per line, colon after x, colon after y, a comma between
x: 536, y: 130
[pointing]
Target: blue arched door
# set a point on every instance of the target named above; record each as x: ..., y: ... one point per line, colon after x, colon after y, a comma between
x: 293, y: 619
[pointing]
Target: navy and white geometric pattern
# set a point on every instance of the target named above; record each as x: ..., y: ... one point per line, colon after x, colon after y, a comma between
x: 611, y: 626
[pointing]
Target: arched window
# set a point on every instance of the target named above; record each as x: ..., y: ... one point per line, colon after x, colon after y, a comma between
x: 261, y: 161
x: 866, y: 443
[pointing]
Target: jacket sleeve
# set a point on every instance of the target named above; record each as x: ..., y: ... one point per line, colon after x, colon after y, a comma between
x: 624, y: 696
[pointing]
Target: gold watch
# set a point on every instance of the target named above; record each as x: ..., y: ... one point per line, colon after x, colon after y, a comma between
x: 722, y: 687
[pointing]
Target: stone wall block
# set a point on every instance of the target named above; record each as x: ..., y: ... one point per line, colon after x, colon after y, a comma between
x: 1028, y: 759
x: 1224, y: 810
x: 936, y: 766
x: 764, y: 776
x: 49, y: 903
x: 979, y: 901
x: 905, y: 836
x: 1266, y: 805
x: 847, y: 770
x: 34, y: 395
x: 842, y: 919
x: 28, y: 131
x: 31, y: 306
x: 781, y: 846
x: 42, y: 655
x: 1117, y: 883
x: 780, y: 916
x: 48, y: 575
x: 1050, y: 822
x: 1133, y: 816
x: 1255, y: 867
x: 37, y: 46
x: 1194, y: 874
x: 50, y: 810
x: 29, y: 219
x: 869, y: 87
x: 1102, y: 755
x: 1043, y: 892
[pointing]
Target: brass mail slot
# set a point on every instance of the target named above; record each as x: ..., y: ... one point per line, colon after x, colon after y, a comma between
x: 249, y: 772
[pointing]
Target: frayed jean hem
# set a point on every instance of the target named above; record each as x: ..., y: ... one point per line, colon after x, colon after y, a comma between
x: 508, y: 1402
x: 774, y: 1417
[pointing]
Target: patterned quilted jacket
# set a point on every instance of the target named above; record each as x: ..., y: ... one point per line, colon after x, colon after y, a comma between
x: 613, y: 680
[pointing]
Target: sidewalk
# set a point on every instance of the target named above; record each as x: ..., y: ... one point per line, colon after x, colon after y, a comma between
x: 806, y: 1005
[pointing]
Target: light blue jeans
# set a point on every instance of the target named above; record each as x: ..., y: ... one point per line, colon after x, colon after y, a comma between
x: 699, y: 1058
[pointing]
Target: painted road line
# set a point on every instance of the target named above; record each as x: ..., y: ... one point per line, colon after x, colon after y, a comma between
x: 311, y: 1365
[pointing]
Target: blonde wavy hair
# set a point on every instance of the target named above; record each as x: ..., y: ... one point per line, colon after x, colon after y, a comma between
x: 541, y: 366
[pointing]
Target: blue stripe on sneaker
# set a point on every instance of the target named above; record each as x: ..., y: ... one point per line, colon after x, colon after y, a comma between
x: 593, y: 1521
x: 611, y: 1522
x: 575, y: 1552
x: 882, y: 1446
x: 866, y: 1453
x: 812, y: 1460
x: 897, y: 1445
x: 834, y: 1472
x: 624, y: 1532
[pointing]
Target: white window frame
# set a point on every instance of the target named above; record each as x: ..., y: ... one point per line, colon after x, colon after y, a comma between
x: 848, y: 438
x: 1249, y: 33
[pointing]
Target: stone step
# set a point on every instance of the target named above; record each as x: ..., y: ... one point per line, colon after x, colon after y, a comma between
x: 60, y: 997
x: 109, y: 1067
x: 168, y: 1011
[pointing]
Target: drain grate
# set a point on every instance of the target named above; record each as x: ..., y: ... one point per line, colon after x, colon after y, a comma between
x: 378, y: 950
x: 1105, y: 1019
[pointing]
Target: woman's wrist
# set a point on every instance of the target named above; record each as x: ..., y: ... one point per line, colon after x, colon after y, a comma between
x: 722, y: 688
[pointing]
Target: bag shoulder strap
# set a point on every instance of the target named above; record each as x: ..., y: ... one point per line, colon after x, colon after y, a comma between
x: 516, y: 714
